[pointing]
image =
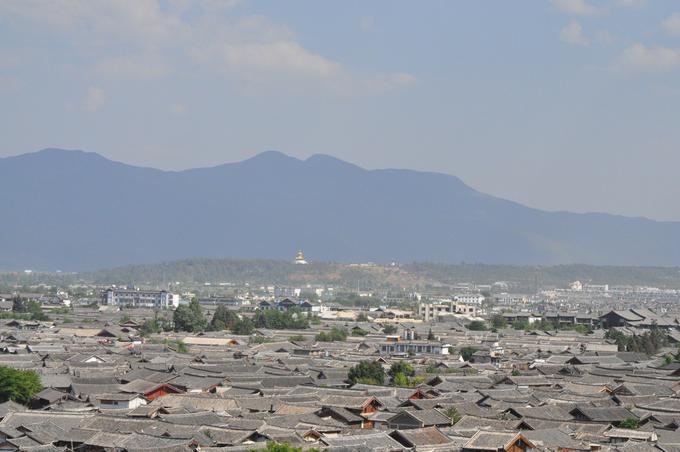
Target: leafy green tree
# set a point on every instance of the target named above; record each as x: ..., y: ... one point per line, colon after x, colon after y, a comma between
x: 183, y: 319
x: 522, y: 325
x: 19, y: 304
x: 223, y: 319
x: 583, y: 329
x: 359, y: 332
x: 149, y: 327
x: 336, y: 334
x: 650, y: 342
x: 367, y: 371
x: 296, y: 338
x: 400, y: 380
x: 292, y: 319
x: 499, y: 322
x: 630, y: 423
x: 430, y: 335
x: 35, y: 310
x: 432, y: 369
x: 189, y: 318
x: 244, y: 327
x: 400, y: 367
x: 453, y: 414
x: 27, y: 309
x: 18, y: 385
x: 467, y: 352
x: 273, y: 446
x: 476, y: 325
x: 389, y: 329
x: 177, y: 345
x: 362, y: 317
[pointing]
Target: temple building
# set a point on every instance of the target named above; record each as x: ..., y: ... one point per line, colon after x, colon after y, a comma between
x: 300, y: 258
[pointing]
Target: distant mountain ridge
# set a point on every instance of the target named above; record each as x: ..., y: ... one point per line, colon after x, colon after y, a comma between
x: 74, y: 210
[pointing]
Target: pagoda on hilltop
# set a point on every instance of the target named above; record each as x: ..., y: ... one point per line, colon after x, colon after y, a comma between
x: 300, y: 258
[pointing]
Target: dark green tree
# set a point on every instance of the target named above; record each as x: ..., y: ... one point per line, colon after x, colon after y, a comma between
x: 336, y: 334
x: 19, y: 304
x: 499, y: 322
x: 223, y: 319
x: 18, y: 385
x: 467, y: 352
x: 273, y: 446
x: 370, y: 372
x: 292, y: 319
x: 244, y: 327
x: 400, y: 380
x: 389, y: 329
x: 189, y: 318
x: 35, y: 309
x: 630, y: 423
x: 401, y: 367
x: 149, y: 327
x: 476, y: 325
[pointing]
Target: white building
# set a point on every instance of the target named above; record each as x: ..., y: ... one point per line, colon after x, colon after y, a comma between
x: 475, y: 299
x: 120, y: 401
x: 432, y: 311
x: 134, y: 298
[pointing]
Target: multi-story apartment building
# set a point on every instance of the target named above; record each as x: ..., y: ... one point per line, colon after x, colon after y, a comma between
x: 432, y: 311
x: 475, y: 299
x: 135, y: 298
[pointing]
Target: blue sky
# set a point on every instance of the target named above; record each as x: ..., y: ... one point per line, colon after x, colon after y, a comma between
x: 561, y: 105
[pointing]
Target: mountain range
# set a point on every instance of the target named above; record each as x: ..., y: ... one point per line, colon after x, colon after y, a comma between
x: 76, y: 211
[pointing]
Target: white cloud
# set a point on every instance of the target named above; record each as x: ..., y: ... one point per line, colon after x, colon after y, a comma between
x: 650, y: 59
x: 632, y: 4
x: 136, y: 67
x: 278, y: 58
x: 671, y: 25
x: 132, y: 21
x: 573, y: 34
x: 94, y: 99
x: 577, y: 7
x: 152, y: 39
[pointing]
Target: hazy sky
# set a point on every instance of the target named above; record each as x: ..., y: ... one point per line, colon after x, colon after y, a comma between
x: 562, y: 104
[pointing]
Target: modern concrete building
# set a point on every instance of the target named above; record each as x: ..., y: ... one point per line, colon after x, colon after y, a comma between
x: 135, y: 298
x: 432, y: 311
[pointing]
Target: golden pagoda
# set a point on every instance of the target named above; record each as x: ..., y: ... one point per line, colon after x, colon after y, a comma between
x: 300, y: 258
